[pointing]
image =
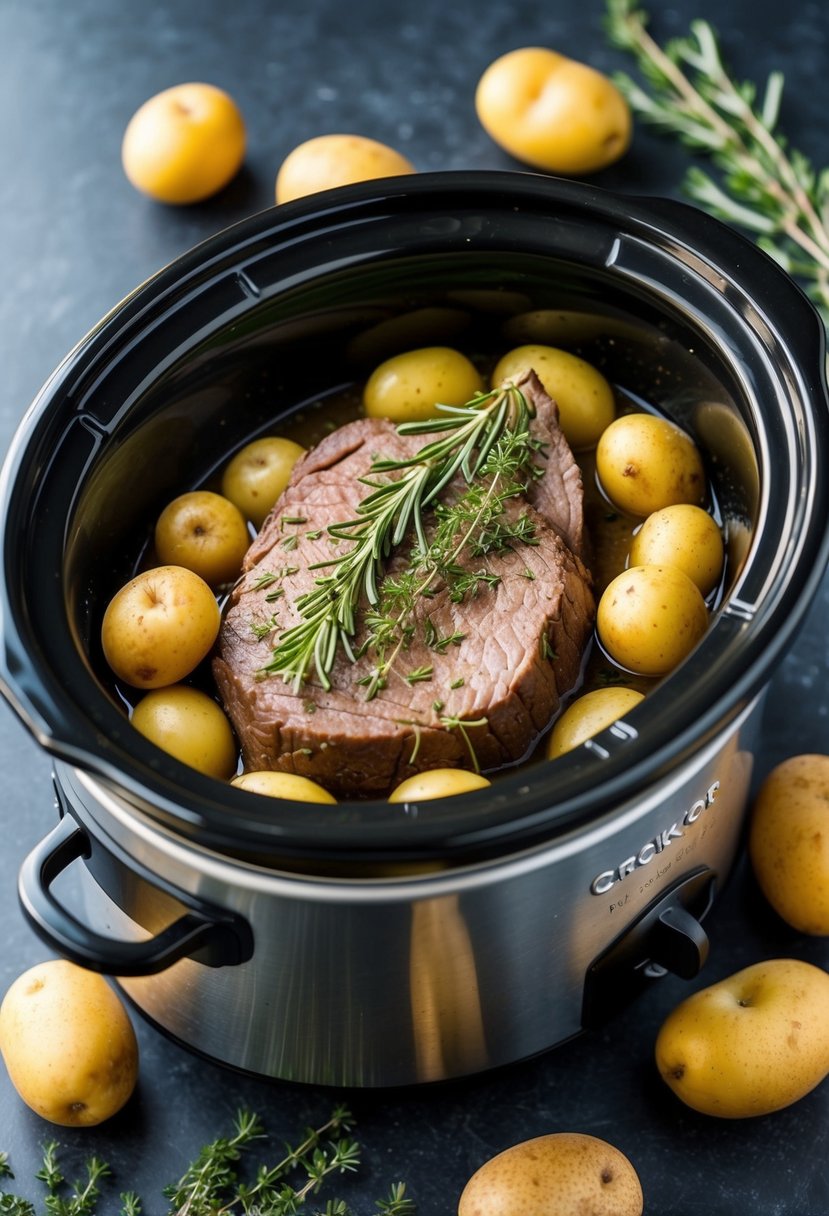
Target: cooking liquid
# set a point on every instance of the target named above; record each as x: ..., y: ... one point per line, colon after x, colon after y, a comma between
x: 609, y: 530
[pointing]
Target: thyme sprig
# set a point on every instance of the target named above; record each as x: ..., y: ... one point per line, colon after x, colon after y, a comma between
x: 765, y: 187
x: 466, y: 436
x: 210, y: 1186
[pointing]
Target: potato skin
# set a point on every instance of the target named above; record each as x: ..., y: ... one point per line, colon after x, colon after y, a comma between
x: 645, y: 463
x: 190, y: 725
x: 206, y: 533
x: 584, y: 398
x: 750, y: 1044
x: 336, y: 160
x: 650, y: 617
x: 437, y: 783
x: 553, y: 112
x: 562, y: 1174
x: 254, y: 478
x: 409, y: 386
x: 275, y: 784
x: 68, y: 1044
x: 681, y: 535
x: 789, y: 841
x: 159, y: 626
x: 588, y: 715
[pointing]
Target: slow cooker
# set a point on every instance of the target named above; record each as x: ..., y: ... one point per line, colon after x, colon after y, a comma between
x: 366, y: 943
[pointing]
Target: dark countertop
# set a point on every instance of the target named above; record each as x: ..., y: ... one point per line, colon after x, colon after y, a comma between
x: 74, y: 239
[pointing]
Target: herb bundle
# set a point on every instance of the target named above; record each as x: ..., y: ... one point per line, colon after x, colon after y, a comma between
x: 480, y: 442
x: 762, y: 185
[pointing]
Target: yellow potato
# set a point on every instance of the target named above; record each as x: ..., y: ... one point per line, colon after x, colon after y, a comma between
x: 750, y: 1044
x: 68, y: 1044
x: 184, y: 144
x: 437, y: 783
x: 650, y: 617
x: 283, y: 785
x: 584, y: 398
x: 255, y: 477
x: 189, y: 725
x: 588, y: 715
x: 553, y: 112
x: 562, y: 1174
x: 684, y: 536
x: 408, y: 387
x: 336, y: 160
x: 645, y: 463
x: 789, y: 841
x: 159, y: 627
x: 204, y: 532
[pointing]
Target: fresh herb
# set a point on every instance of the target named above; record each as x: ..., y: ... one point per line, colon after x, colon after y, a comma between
x: 458, y: 683
x: 289, y: 542
x: 13, y: 1205
x: 293, y: 519
x: 419, y: 675
x: 437, y: 706
x: 545, y: 649
x: 265, y: 579
x: 264, y: 628
x: 765, y: 187
x: 83, y: 1194
x: 441, y: 645
x: 461, y: 726
x: 210, y: 1185
x: 528, y: 574
x: 315, y: 535
x: 476, y: 523
x: 466, y: 437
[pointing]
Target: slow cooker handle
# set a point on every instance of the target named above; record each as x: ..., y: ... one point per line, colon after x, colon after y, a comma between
x: 219, y: 938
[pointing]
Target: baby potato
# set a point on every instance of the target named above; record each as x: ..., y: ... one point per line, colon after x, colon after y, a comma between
x: 408, y: 387
x: 562, y: 1174
x: 159, y: 626
x: 789, y: 841
x: 750, y: 1044
x: 254, y: 478
x: 584, y: 398
x: 588, y: 715
x: 204, y: 532
x: 684, y: 536
x: 283, y: 785
x: 645, y: 463
x: 437, y: 783
x: 336, y: 160
x: 553, y: 112
x: 189, y: 725
x: 650, y: 617
x: 68, y: 1044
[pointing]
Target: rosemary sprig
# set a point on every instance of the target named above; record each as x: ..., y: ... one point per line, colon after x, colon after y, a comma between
x: 764, y: 187
x: 466, y: 437
x: 475, y: 523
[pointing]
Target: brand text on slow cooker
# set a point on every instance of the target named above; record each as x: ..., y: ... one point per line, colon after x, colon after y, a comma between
x: 603, y: 882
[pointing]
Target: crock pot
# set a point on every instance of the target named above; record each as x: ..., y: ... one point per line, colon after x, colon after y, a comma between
x: 371, y: 944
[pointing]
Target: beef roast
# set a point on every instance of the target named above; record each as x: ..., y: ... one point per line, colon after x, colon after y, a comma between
x: 520, y: 639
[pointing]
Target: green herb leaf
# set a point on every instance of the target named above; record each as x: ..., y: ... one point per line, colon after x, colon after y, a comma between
x: 761, y: 184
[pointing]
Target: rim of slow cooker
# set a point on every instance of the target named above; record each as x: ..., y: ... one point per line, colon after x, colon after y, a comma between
x: 522, y: 808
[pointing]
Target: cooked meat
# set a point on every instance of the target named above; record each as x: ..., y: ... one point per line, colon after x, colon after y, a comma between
x: 518, y: 640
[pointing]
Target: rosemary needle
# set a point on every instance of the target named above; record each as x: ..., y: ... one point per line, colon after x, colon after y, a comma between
x: 765, y: 187
x: 466, y: 435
